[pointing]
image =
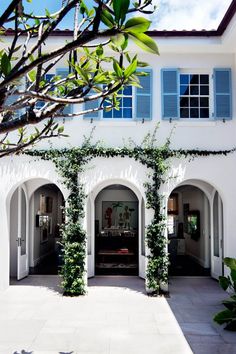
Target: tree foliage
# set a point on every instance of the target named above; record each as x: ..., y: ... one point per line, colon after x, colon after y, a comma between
x: 27, y: 97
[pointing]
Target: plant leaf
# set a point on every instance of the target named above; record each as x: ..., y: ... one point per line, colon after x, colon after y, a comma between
x: 32, y: 75
x: 119, y: 39
x: 131, y: 68
x: 223, y: 316
x: 120, y: 8
x: 117, y: 68
x: 107, y: 19
x: 145, y: 42
x: 5, y: 64
x: 230, y: 262
x: 137, y: 25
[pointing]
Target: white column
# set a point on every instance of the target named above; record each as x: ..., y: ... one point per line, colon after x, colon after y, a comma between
x: 4, y: 249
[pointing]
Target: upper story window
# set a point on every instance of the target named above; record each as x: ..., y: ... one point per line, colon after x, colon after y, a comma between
x: 135, y: 103
x: 48, y: 77
x: 194, y: 96
x: 125, y: 111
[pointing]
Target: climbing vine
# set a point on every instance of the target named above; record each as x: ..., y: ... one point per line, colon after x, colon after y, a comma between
x: 71, y: 162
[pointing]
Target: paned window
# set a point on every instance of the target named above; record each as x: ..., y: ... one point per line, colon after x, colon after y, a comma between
x: 194, y: 96
x: 125, y: 98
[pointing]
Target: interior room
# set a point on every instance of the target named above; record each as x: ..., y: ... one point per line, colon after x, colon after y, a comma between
x: 189, y: 232
x: 46, y: 203
x: 116, y: 231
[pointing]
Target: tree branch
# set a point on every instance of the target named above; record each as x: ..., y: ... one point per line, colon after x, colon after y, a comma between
x: 8, y: 11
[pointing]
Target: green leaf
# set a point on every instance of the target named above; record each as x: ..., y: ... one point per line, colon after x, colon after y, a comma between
x: 131, y: 68
x: 230, y: 262
x: 119, y: 39
x: 32, y: 75
x: 142, y: 64
x: 82, y: 73
x: 145, y: 42
x: 29, y: 0
x: 117, y: 68
x: 137, y: 25
x: 125, y: 43
x: 31, y: 58
x: 37, y: 22
x: 5, y: 64
x: 60, y: 129
x: 99, y: 51
x: 230, y: 304
x: 83, y: 8
x: 48, y: 14
x: 107, y: 19
x: 224, y: 316
x: 233, y: 275
x: 224, y: 282
x: 91, y: 12
x: 120, y: 8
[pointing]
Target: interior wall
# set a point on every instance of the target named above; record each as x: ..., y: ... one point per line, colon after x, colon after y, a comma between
x: 40, y: 249
x: 111, y: 195
x: 13, y: 233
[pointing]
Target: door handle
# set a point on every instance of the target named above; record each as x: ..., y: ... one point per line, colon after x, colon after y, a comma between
x: 19, y: 242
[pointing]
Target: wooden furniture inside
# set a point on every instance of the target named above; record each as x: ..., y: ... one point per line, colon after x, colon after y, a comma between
x: 116, y: 252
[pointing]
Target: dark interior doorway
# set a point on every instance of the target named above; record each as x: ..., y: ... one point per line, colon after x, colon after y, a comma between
x: 116, y: 231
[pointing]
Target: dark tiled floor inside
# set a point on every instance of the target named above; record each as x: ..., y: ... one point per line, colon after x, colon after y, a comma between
x: 181, y: 266
x: 48, y: 266
x: 186, y: 266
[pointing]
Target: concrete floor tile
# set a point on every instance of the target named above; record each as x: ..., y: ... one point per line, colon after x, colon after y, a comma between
x: 115, y: 317
x: 203, y: 329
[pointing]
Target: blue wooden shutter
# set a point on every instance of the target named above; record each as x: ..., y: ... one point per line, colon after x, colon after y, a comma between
x: 222, y: 94
x: 144, y: 97
x: 63, y: 72
x: 91, y: 105
x: 170, y: 94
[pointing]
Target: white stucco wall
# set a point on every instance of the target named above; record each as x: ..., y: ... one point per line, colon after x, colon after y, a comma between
x: 219, y: 173
x: 14, y: 172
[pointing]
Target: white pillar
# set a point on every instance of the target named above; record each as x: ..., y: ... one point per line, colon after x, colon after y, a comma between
x: 4, y: 249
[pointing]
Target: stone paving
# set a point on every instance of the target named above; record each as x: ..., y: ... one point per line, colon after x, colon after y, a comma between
x: 194, y: 301
x: 116, y: 317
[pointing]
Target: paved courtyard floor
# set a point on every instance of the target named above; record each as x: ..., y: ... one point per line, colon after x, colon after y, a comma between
x: 116, y: 317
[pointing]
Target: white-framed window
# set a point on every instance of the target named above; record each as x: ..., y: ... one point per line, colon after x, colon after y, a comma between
x: 135, y: 103
x: 194, y: 96
x: 126, y: 105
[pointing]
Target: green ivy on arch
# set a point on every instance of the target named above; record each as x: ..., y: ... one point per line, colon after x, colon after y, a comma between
x: 71, y: 162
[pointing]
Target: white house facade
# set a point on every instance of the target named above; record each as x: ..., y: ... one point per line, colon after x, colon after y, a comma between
x: 191, y: 93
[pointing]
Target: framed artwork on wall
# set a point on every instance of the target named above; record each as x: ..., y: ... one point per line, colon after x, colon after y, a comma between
x: 45, y: 225
x: 194, y: 224
x: 42, y: 203
x: 121, y: 215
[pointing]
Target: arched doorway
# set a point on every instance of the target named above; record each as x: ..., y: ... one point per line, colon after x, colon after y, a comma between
x: 35, y: 215
x: 195, y: 230
x: 116, y: 231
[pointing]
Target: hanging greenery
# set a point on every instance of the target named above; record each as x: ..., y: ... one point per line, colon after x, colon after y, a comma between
x: 71, y: 162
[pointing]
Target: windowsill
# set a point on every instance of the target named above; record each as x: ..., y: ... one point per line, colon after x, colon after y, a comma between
x: 196, y: 123
x: 117, y: 123
x: 193, y: 122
